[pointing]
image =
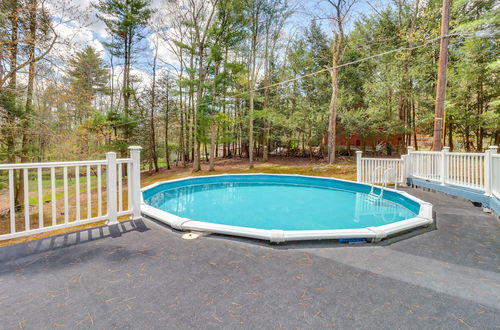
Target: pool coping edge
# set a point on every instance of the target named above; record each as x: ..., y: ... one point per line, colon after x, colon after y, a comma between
x: 374, y: 234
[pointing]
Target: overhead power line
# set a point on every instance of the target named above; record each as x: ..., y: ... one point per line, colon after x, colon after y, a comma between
x: 472, y: 34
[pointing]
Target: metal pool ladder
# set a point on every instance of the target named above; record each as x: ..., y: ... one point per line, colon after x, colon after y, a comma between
x: 388, y: 172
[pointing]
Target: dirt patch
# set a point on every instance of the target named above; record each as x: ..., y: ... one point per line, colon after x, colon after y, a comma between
x: 343, y: 169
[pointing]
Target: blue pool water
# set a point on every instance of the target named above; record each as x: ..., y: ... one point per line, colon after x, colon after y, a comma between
x: 278, y: 202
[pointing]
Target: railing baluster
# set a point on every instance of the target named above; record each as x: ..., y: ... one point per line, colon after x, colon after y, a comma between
x: 372, y: 168
x: 423, y: 168
x: 466, y: 170
x: 381, y: 173
x: 432, y: 168
x: 368, y: 170
x: 89, y: 193
x: 469, y: 167
x: 26, y: 200
x: 53, y: 193
x: 111, y: 192
x: 469, y: 170
x: 454, y: 168
x: 419, y: 165
x: 65, y: 188
x: 462, y: 172
x: 481, y: 170
x: 40, y: 197
x: 429, y: 166
x: 415, y: 165
x: 450, y: 168
x: 12, y: 202
x: 474, y: 171
x: 129, y: 186
x: 459, y: 168
x: 363, y: 172
x: 120, y: 188
x: 99, y: 191
x: 77, y: 192
x: 437, y: 167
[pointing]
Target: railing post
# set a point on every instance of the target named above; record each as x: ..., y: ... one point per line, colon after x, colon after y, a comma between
x: 359, y: 164
x: 444, y: 165
x: 488, y: 169
x: 404, y: 169
x: 111, y: 188
x: 135, y: 176
x: 408, y: 163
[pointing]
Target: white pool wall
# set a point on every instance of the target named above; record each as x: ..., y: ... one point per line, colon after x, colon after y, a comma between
x: 374, y: 234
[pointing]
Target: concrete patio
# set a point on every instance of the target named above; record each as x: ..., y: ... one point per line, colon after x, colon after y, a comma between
x: 142, y: 275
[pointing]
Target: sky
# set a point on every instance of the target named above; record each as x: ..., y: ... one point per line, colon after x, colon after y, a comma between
x: 78, y: 26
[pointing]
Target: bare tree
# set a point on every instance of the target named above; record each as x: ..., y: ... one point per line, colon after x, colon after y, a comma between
x: 339, y: 16
x: 255, y: 12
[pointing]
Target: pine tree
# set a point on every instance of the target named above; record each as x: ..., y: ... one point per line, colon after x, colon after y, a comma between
x: 125, y: 21
x: 87, y: 76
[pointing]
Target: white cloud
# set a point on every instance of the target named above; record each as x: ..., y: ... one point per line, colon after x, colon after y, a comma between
x: 165, y: 53
x: 72, y: 39
x: 79, y: 12
x: 143, y: 78
x: 76, y: 38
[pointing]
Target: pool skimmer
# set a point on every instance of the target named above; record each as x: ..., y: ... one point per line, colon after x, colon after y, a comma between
x: 193, y: 235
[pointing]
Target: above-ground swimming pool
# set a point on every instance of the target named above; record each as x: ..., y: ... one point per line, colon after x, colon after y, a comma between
x: 283, y: 207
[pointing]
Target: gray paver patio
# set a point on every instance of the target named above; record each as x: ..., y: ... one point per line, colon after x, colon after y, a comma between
x: 144, y: 276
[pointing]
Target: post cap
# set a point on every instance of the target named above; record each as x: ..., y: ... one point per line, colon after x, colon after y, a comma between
x: 134, y: 148
x: 446, y: 149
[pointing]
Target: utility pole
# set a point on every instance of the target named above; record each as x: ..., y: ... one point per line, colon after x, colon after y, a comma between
x: 441, y: 80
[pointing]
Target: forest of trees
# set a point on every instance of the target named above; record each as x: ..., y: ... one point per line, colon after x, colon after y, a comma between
x: 241, y: 78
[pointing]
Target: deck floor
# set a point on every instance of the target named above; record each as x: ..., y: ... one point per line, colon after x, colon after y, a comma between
x: 144, y: 276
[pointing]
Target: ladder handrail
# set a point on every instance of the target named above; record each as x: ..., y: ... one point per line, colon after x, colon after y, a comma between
x: 385, y: 178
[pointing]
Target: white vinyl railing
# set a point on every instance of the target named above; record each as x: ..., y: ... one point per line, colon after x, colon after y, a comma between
x: 479, y: 171
x: 57, y: 195
x: 426, y: 165
x: 368, y: 168
x: 466, y: 169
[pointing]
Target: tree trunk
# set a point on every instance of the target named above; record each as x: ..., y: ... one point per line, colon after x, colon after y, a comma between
x: 332, y: 119
x: 152, y: 141
x: 437, y: 143
x: 167, y: 111
x: 182, y: 145
x: 213, y: 129
x: 450, y: 134
x: 199, y: 94
x: 10, y: 94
